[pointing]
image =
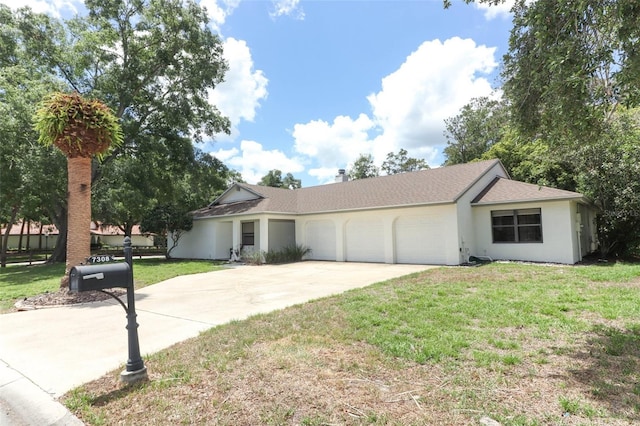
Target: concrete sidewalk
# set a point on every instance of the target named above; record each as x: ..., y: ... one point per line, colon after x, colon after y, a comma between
x: 57, y: 349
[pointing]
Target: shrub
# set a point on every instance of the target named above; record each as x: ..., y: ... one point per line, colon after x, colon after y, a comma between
x: 287, y: 254
x: 253, y: 257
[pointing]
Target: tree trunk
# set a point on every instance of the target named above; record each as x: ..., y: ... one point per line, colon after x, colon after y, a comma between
x: 21, y: 234
x: 5, y: 237
x: 127, y: 228
x: 79, y: 214
x: 40, y: 236
x: 29, y: 235
x: 59, y: 218
x: 59, y: 253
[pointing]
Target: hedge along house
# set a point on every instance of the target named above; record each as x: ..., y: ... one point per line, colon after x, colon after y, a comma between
x: 437, y: 216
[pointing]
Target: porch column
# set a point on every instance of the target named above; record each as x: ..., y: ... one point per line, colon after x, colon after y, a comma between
x: 264, y: 234
x: 236, y: 234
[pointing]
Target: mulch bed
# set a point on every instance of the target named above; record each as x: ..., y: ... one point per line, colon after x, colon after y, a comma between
x: 63, y: 297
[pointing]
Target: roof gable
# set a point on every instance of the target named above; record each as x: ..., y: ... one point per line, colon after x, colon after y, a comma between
x: 502, y: 191
x: 235, y: 193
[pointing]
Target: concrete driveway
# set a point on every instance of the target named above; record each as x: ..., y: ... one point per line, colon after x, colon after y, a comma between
x: 60, y: 348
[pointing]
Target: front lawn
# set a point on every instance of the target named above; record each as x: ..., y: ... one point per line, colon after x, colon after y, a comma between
x: 520, y: 344
x: 18, y: 282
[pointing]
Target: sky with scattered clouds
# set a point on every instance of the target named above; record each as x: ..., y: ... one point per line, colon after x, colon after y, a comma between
x: 313, y: 84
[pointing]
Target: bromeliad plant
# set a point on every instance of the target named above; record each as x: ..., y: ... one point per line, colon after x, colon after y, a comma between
x: 80, y: 128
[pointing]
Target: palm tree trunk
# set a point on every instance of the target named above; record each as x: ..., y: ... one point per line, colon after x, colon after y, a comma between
x: 79, y: 214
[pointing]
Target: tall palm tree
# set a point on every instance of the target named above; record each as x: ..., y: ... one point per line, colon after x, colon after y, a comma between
x: 80, y: 128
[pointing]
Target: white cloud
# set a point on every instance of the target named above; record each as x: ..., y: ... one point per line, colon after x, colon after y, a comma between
x: 433, y: 83
x: 333, y: 144
x: 501, y: 10
x: 287, y: 8
x: 325, y: 174
x: 253, y: 162
x: 219, y: 11
x: 55, y: 8
x: 225, y: 154
x: 239, y: 96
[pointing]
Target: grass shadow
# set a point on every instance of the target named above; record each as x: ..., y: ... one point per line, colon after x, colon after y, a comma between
x: 610, y: 368
x: 116, y: 394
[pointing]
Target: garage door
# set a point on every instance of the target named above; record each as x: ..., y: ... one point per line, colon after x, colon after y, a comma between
x: 321, y: 238
x: 420, y: 239
x: 365, y: 240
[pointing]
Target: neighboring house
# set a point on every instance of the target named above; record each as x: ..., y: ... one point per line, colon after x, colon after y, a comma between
x: 35, y: 237
x: 113, y: 236
x: 437, y: 216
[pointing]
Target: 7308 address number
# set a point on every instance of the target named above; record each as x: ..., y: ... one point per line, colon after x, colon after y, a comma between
x: 100, y: 259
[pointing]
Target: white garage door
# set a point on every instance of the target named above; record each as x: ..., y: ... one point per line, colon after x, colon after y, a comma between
x: 420, y: 239
x: 321, y: 238
x: 365, y: 240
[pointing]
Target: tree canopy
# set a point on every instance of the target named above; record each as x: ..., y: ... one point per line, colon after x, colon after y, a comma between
x: 570, y: 65
x: 363, y: 167
x: 32, y: 177
x: 154, y: 63
x: 476, y: 128
x: 402, y: 163
x: 168, y: 221
x: 274, y: 179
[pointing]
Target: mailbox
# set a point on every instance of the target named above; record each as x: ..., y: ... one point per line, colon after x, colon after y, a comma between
x: 100, y: 277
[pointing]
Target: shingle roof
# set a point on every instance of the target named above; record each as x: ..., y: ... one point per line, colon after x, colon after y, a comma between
x: 510, y: 191
x: 432, y: 186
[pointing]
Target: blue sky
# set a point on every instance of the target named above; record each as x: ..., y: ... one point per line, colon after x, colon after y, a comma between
x: 313, y: 84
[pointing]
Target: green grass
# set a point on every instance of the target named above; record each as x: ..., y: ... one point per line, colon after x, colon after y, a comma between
x: 17, y: 281
x: 431, y: 322
x: 465, y: 342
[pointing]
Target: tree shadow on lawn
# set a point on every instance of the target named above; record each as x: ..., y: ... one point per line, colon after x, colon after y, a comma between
x: 21, y: 275
x: 608, y: 366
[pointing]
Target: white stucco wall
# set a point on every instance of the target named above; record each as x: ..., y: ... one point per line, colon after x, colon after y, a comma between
x: 466, y: 226
x: 559, y: 236
x: 200, y: 242
x: 340, y: 221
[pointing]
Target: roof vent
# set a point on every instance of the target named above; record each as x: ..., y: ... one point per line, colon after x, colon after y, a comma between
x: 341, y: 176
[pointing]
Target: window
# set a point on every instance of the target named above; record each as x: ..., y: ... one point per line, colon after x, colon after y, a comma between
x: 516, y: 226
x: 248, y: 235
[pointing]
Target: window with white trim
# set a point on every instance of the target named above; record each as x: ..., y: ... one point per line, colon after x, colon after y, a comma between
x: 516, y: 226
x: 248, y: 235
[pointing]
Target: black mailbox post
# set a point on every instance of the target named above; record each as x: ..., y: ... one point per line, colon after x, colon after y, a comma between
x: 101, y: 277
